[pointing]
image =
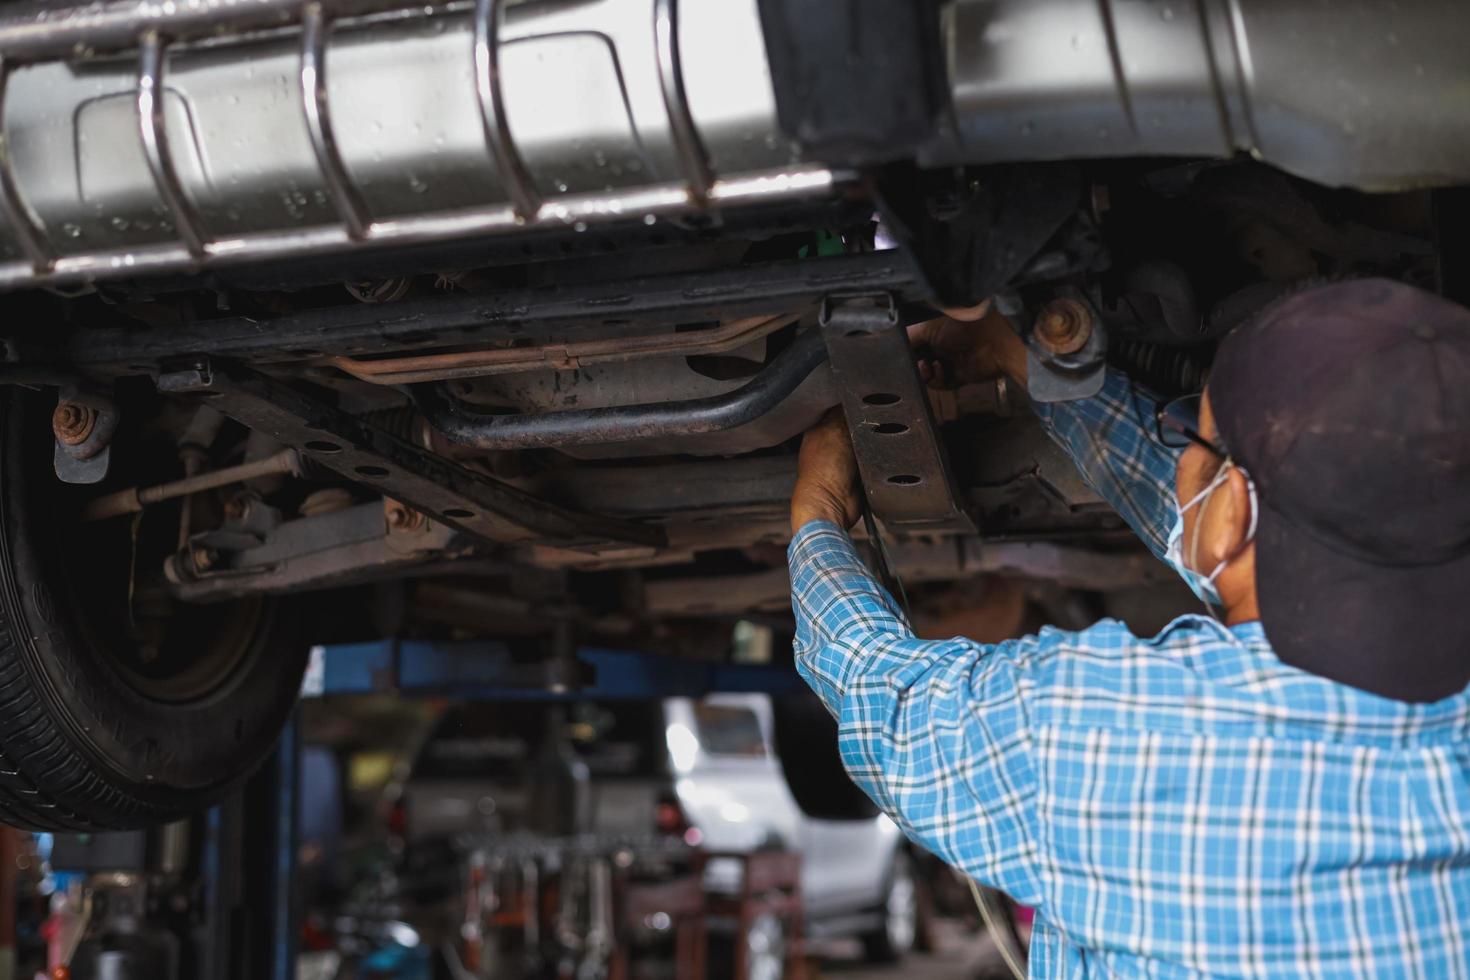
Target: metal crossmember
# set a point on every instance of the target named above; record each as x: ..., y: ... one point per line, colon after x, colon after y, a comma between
x: 905, y: 473
x: 479, y: 505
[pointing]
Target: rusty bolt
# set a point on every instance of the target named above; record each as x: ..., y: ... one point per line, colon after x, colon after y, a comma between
x: 237, y: 508
x: 401, y: 517
x: 1064, y: 326
x: 73, y: 422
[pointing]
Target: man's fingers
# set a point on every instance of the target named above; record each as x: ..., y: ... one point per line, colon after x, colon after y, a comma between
x: 834, y: 423
x: 828, y: 438
x: 934, y: 372
x: 826, y: 476
x: 922, y: 334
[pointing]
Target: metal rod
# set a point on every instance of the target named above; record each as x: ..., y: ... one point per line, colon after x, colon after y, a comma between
x: 38, y: 30
x: 489, y: 87
x: 620, y: 423
x: 134, y: 499
x: 349, y: 205
x: 151, y: 108
x: 28, y: 231
x: 692, y: 156
x: 796, y: 183
x: 562, y: 357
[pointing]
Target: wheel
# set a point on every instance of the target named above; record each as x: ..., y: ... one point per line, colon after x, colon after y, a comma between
x: 894, y: 939
x: 806, y: 744
x: 118, y: 707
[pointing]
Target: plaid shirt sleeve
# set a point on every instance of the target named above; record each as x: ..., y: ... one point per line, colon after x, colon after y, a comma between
x: 1112, y: 439
x: 1185, y: 806
x: 936, y: 733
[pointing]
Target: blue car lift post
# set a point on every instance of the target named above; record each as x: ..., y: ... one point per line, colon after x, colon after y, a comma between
x: 472, y: 671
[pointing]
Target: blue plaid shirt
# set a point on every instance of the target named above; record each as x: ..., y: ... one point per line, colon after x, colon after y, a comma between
x: 1181, y: 806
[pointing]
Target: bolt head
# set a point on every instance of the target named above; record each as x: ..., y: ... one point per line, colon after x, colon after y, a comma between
x: 73, y: 422
x: 237, y: 508
x: 204, y: 558
x: 1064, y: 326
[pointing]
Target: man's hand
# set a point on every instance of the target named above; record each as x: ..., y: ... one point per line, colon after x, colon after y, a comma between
x: 968, y: 345
x: 827, y: 486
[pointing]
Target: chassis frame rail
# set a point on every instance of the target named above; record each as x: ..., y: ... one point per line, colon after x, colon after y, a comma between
x: 555, y: 313
x: 905, y: 473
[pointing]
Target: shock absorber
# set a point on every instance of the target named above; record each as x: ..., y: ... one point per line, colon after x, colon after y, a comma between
x: 1167, y: 370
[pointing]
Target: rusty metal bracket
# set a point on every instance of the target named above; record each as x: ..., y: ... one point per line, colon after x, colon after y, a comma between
x: 900, y: 456
x: 84, y: 423
x: 1066, y: 350
x: 476, y: 504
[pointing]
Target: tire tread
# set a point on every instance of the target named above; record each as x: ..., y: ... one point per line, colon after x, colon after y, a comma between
x: 33, y: 751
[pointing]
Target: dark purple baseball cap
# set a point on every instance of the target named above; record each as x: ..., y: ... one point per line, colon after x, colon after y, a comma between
x: 1349, y: 406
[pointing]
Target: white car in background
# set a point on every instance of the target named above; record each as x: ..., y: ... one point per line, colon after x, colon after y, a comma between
x: 856, y: 876
x: 704, y: 769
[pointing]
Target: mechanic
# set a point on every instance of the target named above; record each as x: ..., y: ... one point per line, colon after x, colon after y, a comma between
x: 1281, y: 791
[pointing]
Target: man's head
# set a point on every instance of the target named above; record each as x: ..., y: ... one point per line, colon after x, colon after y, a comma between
x: 1349, y: 407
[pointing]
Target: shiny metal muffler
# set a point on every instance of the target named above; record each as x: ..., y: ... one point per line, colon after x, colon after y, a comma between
x: 1347, y: 93
x: 146, y: 137
x: 153, y: 137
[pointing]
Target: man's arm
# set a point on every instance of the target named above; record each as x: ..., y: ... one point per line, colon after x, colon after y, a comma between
x: 936, y: 733
x: 1112, y: 438
x: 1111, y: 435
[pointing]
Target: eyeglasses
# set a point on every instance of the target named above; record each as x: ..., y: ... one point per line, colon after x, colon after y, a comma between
x: 1177, y: 425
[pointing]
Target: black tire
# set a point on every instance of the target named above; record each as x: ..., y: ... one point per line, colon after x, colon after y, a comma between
x: 888, y: 943
x: 806, y: 745
x: 92, y: 737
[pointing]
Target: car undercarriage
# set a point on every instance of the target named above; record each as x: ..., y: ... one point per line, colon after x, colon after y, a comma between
x: 506, y: 319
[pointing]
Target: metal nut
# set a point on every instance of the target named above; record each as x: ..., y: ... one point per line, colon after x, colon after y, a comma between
x: 237, y: 508
x: 1063, y: 326
x: 401, y: 517
x: 204, y: 558
x: 72, y: 422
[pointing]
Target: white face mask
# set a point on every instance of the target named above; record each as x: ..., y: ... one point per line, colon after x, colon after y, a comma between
x: 1202, y: 585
